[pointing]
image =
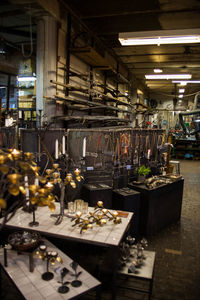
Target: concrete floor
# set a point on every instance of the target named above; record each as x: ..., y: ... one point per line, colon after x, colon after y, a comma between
x: 177, y: 272
x: 177, y: 265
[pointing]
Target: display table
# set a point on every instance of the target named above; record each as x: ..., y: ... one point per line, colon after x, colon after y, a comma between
x: 160, y: 206
x: 109, y: 235
x: 31, y: 285
x: 142, y: 281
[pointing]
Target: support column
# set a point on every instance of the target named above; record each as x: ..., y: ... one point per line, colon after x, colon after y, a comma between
x: 46, y: 65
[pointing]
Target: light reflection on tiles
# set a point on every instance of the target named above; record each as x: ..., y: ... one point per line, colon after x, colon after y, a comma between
x: 65, y: 229
x: 33, y: 287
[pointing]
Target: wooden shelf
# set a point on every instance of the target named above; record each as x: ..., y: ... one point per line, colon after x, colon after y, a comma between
x: 91, y: 57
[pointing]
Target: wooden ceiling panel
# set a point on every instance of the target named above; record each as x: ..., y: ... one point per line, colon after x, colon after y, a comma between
x: 180, y: 20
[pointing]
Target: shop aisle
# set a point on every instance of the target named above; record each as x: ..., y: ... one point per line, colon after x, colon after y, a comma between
x: 177, y: 267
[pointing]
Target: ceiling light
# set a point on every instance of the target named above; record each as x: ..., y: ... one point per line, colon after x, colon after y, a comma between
x: 169, y: 76
x: 160, y: 37
x: 180, y: 96
x: 181, y: 90
x: 26, y: 78
x: 185, y: 82
x: 158, y: 70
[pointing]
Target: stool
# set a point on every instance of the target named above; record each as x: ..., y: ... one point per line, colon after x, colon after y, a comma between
x: 176, y: 165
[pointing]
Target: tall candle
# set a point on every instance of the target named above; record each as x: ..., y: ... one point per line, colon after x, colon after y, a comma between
x: 36, y: 181
x: 84, y: 146
x: 63, y: 144
x: 56, y: 149
x: 26, y: 186
x: 148, y: 153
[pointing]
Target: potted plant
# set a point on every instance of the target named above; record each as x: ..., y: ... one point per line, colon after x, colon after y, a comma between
x: 143, y: 171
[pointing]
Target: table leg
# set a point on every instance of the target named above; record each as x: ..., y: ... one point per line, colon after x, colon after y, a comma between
x: 0, y: 281
x: 5, y: 257
x: 114, y: 272
x: 31, y: 266
x: 98, y: 293
x: 150, y: 288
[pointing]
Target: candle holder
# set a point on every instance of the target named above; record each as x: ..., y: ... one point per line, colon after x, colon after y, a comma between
x: 18, y: 171
x: 51, y: 257
x: 99, y: 216
x: 63, y: 289
x: 76, y: 282
x: 34, y: 223
x: 69, y: 180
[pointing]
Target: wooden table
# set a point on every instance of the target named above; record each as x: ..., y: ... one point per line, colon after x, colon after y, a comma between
x: 33, y: 287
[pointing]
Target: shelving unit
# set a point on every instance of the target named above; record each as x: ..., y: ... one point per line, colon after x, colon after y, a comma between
x: 26, y: 101
x: 184, y: 148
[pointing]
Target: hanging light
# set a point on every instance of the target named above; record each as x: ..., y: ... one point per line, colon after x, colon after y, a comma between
x: 160, y: 37
x: 158, y: 70
x: 168, y: 76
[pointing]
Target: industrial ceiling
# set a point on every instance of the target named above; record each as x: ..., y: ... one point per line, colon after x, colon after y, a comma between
x: 106, y: 19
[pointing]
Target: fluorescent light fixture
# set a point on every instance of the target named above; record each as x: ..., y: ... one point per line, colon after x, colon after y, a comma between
x: 185, y: 82
x: 182, y: 83
x: 160, y: 37
x: 169, y: 76
x: 198, y: 120
x: 181, y: 91
x: 180, y: 96
x: 158, y: 70
x: 26, y: 78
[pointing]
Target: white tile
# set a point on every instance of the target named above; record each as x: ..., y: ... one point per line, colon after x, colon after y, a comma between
x: 47, y: 291
x: 34, y: 296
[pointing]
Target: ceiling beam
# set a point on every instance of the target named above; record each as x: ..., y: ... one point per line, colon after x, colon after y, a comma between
x: 138, y: 12
x: 158, y: 54
x: 8, y: 30
x: 11, y: 13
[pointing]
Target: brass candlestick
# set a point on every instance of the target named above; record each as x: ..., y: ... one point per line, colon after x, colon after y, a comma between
x: 51, y: 257
x: 70, y: 180
x: 99, y: 216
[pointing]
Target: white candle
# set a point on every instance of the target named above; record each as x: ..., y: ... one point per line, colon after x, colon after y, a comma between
x: 56, y: 149
x: 20, y: 114
x: 84, y: 146
x: 26, y: 186
x: 148, y: 153
x: 63, y: 144
x: 36, y: 181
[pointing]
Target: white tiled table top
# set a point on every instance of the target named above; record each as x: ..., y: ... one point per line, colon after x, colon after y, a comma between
x: 108, y: 235
x: 146, y: 270
x: 33, y: 287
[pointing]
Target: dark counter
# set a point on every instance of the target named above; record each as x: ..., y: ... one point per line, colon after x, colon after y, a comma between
x: 159, y: 207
